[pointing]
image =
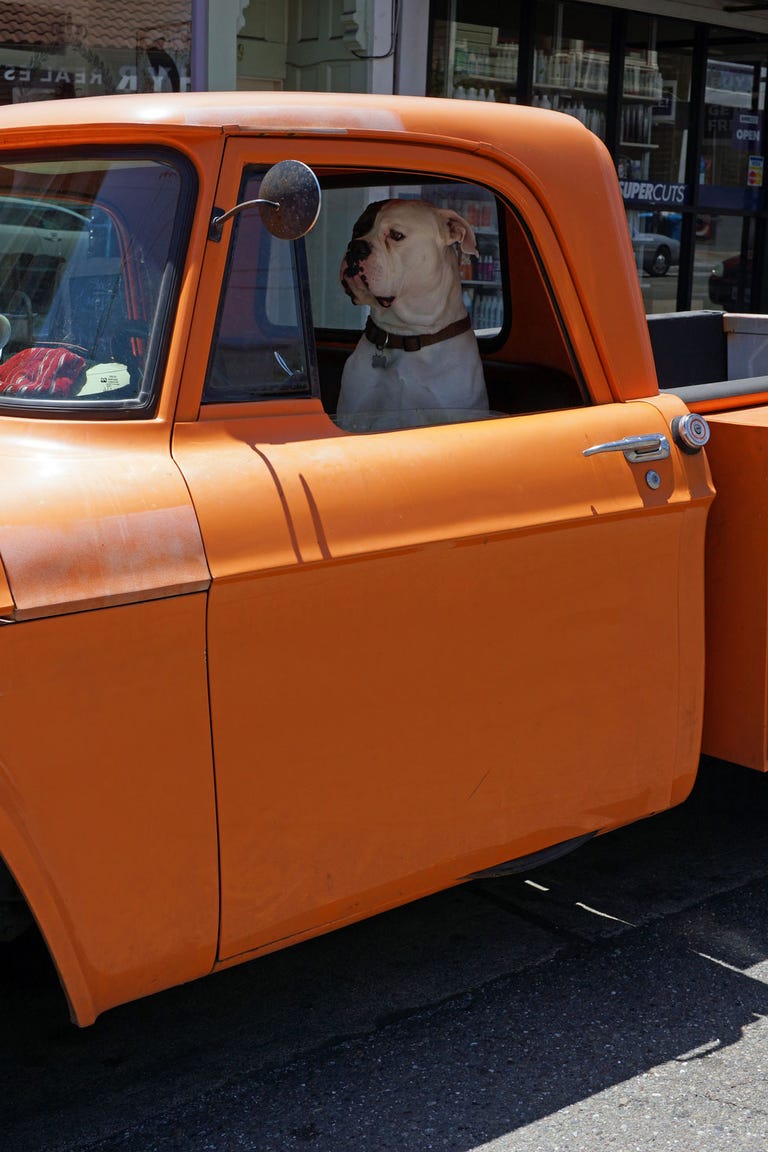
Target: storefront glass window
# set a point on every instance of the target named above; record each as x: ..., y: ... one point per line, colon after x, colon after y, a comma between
x: 731, y: 168
x: 680, y: 105
x: 731, y: 175
x: 92, y: 47
x: 723, y: 263
x: 653, y: 149
x: 475, y: 52
x: 570, y: 62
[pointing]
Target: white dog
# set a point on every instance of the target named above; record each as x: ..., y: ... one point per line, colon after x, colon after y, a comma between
x: 417, y: 362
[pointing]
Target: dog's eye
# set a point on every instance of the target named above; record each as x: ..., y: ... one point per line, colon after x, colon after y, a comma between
x: 395, y: 235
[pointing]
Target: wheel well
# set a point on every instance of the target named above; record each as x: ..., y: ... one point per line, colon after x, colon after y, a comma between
x: 31, y: 912
x: 15, y: 916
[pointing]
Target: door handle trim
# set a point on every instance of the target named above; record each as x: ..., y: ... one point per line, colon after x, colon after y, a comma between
x: 636, y: 449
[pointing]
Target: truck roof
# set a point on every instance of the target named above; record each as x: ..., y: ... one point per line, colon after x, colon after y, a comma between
x: 312, y: 112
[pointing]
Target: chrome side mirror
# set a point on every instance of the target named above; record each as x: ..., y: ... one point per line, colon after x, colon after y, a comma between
x: 289, y: 203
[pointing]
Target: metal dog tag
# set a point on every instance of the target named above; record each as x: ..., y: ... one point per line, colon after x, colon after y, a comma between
x: 379, y: 360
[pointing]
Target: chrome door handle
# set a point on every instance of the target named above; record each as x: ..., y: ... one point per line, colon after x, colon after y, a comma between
x: 636, y: 449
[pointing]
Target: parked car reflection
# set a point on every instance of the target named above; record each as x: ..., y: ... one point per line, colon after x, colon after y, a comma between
x: 730, y: 282
x: 655, y: 254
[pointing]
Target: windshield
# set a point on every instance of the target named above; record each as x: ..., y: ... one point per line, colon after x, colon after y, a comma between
x: 89, y: 253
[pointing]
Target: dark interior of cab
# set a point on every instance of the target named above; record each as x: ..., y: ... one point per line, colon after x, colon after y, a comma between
x: 513, y: 389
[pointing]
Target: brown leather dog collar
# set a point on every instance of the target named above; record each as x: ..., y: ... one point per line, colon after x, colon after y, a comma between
x: 384, y: 339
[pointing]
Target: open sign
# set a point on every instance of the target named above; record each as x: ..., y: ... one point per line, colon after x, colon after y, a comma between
x: 746, y: 130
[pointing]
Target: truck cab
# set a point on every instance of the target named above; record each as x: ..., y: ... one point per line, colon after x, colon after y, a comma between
x: 293, y: 673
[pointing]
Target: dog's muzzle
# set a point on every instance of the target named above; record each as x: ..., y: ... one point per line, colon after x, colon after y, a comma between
x: 357, y: 252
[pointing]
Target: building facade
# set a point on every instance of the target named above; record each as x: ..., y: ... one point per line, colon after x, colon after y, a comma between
x: 83, y: 48
x: 675, y: 90
x: 679, y: 102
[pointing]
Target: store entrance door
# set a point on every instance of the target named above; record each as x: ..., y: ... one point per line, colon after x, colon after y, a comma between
x: 319, y: 56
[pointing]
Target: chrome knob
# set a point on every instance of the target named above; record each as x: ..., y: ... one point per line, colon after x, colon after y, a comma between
x: 691, y: 431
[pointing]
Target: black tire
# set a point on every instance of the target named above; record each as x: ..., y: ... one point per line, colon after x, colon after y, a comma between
x: 660, y: 261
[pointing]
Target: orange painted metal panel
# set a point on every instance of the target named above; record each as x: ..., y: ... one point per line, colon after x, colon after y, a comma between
x: 94, y: 514
x: 428, y: 635
x: 107, y: 811
x: 736, y: 719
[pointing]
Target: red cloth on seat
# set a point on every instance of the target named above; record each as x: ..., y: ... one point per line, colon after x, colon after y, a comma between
x: 41, y: 372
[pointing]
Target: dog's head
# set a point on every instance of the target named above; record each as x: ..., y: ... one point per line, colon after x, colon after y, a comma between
x: 402, y: 254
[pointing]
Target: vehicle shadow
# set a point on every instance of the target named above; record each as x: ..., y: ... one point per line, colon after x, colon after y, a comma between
x: 445, y: 1024
x: 493, y: 1062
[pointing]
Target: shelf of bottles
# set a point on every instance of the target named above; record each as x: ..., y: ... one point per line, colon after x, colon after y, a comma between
x: 481, y: 274
x: 642, y: 90
x: 485, y: 72
x: 573, y: 80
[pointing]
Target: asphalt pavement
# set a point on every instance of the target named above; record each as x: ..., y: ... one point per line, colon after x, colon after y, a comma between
x: 616, y: 999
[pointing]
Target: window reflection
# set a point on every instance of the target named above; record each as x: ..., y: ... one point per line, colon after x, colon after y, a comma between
x: 88, y: 248
x: 731, y: 165
x: 258, y: 349
x: 653, y: 150
x: 723, y: 265
x: 93, y: 47
x: 475, y: 58
x: 571, y: 62
x: 688, y: 212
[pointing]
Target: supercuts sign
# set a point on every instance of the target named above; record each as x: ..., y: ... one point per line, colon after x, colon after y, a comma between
x: 655, y: 192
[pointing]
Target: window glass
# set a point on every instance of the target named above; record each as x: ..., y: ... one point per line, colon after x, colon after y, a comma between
x: 259, y: 349
x: 409, y: 303
x: 475, y: 52
x: 731, y: 176
x: 93, y: 47
x: 723, y: 263
x: 730, y: 171
x: 653, y: 149
x: 570, y: 61
x: 479, y: 271
x: 89, y: 248
x: 417, y: 256
x: 420, y: 269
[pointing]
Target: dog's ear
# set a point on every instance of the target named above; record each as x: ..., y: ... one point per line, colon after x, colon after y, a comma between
x: 459, y: 231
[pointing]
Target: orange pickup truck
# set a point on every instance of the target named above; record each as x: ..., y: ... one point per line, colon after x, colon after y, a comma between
x: 269, y: 665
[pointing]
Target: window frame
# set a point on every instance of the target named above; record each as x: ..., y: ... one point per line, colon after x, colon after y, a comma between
x: 160, y: 327
x: 302, y: 298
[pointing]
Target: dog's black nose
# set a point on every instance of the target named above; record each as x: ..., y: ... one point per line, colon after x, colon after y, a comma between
x: 357, y: 251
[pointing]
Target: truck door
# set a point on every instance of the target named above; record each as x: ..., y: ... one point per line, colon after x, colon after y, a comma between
x: 434, y: 649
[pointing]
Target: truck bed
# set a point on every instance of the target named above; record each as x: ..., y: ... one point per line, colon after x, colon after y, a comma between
x: 714, y: 361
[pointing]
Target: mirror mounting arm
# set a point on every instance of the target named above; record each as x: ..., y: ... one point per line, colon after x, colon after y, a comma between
x: 218, y: 221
